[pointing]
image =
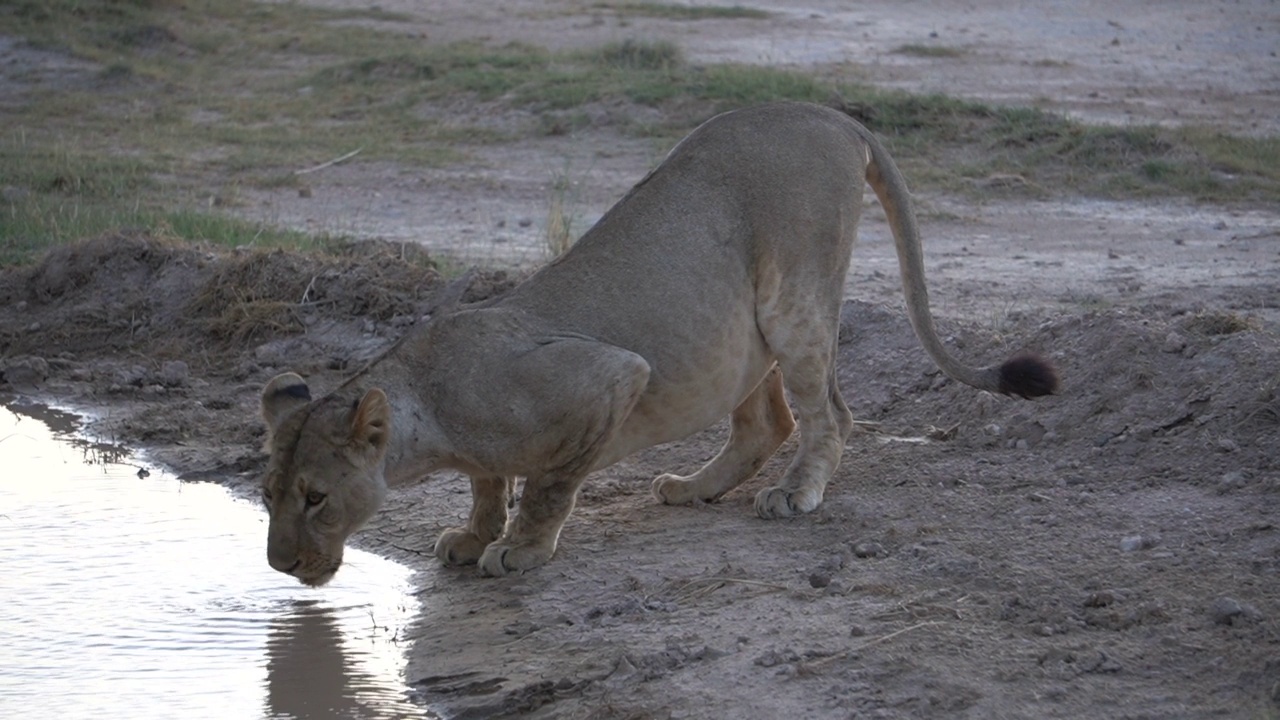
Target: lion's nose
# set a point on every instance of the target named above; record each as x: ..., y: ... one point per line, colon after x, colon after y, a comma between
x: 285, y: 564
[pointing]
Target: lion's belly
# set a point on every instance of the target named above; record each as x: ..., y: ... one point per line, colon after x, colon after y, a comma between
x: 693, y: 384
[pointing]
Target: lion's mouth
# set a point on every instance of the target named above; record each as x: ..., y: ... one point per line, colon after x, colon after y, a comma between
x: 318, y: 579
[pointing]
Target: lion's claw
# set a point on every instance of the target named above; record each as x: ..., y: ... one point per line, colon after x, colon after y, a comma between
x: 459, y: 546
x: 503, y: 558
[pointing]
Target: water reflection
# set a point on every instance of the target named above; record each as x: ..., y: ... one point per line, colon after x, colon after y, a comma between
x: 310, y: 676
x: 151, y: 598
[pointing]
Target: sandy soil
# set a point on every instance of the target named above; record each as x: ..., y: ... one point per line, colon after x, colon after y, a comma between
x: 1109, y: 552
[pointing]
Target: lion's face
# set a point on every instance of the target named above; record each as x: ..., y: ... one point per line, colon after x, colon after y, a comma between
x: 324, y: 478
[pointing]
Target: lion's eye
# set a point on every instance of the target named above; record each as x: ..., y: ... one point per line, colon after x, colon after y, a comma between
x: 315, y: 498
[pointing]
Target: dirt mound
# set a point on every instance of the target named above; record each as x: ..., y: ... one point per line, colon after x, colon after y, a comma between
x: 128, y: 291
x: 1209, y: 379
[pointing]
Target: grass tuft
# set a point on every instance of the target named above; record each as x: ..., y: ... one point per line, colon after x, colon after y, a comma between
x: 929, y: 51
x: 673, y: 11
x: 636, y: 55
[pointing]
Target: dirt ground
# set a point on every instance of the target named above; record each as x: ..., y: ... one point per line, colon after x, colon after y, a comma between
x: 1112, y: 551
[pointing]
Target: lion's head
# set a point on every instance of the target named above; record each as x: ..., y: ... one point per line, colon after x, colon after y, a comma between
x: 324, y: 477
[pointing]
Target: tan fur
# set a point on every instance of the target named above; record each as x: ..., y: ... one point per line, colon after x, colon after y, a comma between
x: 716, y: 281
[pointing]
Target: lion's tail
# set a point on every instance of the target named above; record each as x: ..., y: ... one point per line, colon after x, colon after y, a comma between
x: 1026, y: 375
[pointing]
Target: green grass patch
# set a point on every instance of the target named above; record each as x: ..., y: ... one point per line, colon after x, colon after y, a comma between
x: 929, y: 51
x: 195, y: 96
x: 673, y: 11
x: 32, y: 224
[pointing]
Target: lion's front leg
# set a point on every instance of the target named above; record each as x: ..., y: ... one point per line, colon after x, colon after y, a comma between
x: 530, y: 539
x: 490, y: 499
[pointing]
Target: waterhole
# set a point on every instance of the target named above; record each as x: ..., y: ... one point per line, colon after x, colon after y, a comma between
x: 126, y: 593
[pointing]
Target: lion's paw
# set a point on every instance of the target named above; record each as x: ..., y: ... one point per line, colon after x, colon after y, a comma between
x: 503, y: 558
x: 777, y: 502
x: 459, y: 546
x: 673, y: 490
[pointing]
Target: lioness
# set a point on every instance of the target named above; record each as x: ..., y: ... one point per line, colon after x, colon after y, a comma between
x: 712, y: 285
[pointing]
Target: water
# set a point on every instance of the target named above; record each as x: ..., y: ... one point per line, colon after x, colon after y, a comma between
x: 131, y: 597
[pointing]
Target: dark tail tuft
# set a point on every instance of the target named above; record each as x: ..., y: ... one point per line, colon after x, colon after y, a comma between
x: 1028, y: 376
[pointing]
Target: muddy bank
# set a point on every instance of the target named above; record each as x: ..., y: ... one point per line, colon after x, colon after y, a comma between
x: 1111, y: 550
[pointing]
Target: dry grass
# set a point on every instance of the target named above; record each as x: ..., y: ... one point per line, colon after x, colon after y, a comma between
x: 1217, y: 323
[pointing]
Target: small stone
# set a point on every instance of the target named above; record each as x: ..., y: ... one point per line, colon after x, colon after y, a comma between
x: 27, y: 372
x: 868, y: 550
x: 1227, y: 445
x: 1233, y: 480
x: 304, y: 191
x: 174, y: 373
x: 135, y: 375
x: 1229, y: 611
x: 524, y: 222
x: 1054, y: 692
x: 1132, y: 543
x: 1102, y: 598
x: 1173, y: 343
x: 1021, y: 444
x: 819, y: 580
x: 857, y: 631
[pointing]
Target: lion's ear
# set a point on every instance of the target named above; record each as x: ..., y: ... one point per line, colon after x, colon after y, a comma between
x: 371, y: 422
x: 284, y: 394
x: 448, y: 298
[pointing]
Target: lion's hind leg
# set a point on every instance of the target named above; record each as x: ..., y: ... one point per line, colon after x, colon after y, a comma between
x: 825, y: 420
x: 490, y: 497
x: 759, y: 425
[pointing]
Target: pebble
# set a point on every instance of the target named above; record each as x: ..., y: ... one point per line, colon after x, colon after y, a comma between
x: 1228, y: 445
x: 868, y: 550
x: 819, y: 580
x: 1233, y: 480
x: 1102, y: 598
x: 1173, y: 343
x: 1133, y: 543
x: 1229, y: 611
x: 175, y: 373
x: 28, y: 372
